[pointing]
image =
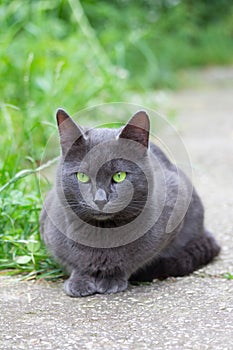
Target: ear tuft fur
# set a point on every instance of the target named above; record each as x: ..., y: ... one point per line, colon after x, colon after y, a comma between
x: 137, y: 128
x: 61, y: 116
x: 70, y: 132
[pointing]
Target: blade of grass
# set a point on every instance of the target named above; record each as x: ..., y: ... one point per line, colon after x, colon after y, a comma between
x: 23, y: 173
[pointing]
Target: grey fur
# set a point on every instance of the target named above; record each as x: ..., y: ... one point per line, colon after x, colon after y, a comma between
x: 103, y: 248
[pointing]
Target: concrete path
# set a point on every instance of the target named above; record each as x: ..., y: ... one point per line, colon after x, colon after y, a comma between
x: 194, y: 312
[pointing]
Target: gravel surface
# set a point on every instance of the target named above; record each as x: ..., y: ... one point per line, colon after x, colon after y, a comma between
x: 194, y: 312
x: 182, y: 313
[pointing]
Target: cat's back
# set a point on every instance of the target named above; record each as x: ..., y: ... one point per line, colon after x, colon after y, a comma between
x: 158, y: 155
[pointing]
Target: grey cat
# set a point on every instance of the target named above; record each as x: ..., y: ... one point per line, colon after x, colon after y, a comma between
x: 121, y: 211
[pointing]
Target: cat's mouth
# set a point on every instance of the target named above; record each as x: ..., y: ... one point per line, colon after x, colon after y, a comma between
x: 102, y: 216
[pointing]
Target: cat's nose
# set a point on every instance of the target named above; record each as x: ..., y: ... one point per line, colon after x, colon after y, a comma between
x: 100, y: 198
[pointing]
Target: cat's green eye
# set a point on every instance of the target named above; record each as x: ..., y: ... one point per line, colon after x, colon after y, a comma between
x: 119, y: 176
x: 82, y: 177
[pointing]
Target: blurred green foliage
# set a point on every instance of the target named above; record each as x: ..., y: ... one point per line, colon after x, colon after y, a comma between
x: 77, y: 54
x: 153, y: 40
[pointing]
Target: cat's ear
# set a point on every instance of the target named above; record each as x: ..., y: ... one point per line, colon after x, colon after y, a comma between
x: 69, y: 131
x: 137, y: 128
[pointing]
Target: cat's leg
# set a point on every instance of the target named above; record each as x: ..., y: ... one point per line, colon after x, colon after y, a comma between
x: 184, y: 261
x: 79, y: 286
x: 106, y: 284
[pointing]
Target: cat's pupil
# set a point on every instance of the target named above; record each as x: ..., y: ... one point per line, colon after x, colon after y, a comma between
x: 82, y: 177
x: 119, y: 176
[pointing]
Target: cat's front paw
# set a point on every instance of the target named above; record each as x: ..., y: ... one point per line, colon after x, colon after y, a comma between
x: 111, y: 285
x: 79, y: 287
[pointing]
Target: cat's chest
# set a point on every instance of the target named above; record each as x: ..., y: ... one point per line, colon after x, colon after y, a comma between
x: 104, y: 260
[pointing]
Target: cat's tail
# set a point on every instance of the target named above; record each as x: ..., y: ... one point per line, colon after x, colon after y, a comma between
x: 195, y: 254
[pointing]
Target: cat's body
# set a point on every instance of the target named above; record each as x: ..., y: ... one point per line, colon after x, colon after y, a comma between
x: 162, y: 250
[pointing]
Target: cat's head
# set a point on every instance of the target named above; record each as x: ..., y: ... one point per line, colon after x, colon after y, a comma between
x: 104, y: 173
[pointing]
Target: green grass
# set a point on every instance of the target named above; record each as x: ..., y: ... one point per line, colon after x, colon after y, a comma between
x: 228, y: 276
x: 50, y: 57
x: 64, y: 53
